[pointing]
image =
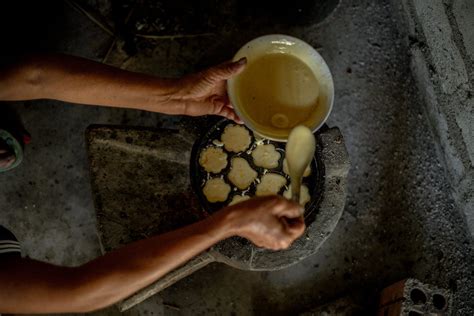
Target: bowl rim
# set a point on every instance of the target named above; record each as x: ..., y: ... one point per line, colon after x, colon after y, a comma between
x: 275, y: 37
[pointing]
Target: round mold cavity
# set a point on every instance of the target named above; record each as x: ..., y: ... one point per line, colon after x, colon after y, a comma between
x: 439, y: 301
x: 417, y: 296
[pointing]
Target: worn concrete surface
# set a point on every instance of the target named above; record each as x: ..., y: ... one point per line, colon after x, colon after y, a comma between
x: 140, y: 180
x: 441, y: 43
x: 400, y: 220
x: 141, y: 187
x: 341, y: 306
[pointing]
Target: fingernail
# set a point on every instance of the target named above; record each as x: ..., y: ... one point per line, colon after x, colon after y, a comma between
x: 242, y: 61
x: 237, y: 120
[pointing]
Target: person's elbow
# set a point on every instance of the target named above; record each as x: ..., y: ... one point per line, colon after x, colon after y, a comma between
x: 22, y: 79
x: 31, y: 72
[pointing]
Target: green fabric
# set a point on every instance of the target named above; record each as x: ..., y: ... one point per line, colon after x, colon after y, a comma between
x: 15, y: 146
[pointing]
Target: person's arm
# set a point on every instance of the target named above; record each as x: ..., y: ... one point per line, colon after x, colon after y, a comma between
x: 79, y: 80
x: 28, y: 286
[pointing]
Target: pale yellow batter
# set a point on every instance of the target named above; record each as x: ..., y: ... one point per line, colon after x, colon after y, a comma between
x: 238, y: 198
x: 306, y: 173
x: 216, y: 190
x: 241, y: 174
x: 266, y: 156
x: 304, y: 194
x: 278, y: 91
x: 236, y: 138
x: 213, y: 159
x: 270, y: 184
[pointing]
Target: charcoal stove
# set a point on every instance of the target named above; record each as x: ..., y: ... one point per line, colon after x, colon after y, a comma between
x: 141, y: 187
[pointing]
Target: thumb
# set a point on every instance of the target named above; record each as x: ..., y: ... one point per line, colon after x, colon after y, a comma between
x: 288, y: 209
x: 294, y: 226
x: 227, y: 70
x: 229, y: 113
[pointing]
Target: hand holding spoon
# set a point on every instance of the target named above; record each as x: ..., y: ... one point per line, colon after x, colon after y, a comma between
x: 300, y: 150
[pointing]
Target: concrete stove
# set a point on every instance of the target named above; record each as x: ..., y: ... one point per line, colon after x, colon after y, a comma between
x: 141, y: 187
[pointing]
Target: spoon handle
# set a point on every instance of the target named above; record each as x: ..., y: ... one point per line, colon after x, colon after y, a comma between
x: 295, y: 190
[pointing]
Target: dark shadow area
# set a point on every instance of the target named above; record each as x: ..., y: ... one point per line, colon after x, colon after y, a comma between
x: 211, y: 18
x: 31, y: 26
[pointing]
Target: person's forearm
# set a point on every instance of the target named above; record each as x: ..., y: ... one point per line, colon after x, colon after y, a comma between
x: 79, y: 80
x: 112, y: 277
x: 121, y: 273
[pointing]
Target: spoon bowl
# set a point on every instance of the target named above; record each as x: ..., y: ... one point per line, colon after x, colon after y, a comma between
x: 300, y: 150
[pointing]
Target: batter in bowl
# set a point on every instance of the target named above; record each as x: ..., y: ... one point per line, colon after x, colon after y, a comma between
x: 278, y: 91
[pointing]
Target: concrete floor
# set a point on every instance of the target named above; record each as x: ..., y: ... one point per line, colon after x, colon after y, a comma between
x: 399, y: 222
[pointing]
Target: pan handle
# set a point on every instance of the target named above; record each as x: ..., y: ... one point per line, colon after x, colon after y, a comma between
x: 169, y: 279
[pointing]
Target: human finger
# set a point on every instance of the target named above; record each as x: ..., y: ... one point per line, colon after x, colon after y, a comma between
x: 283, y: 243
x: 287, y: 208
x: 236, y: 118
x: 227, y: 113
x: 226, y: 71
x: 230, y: 114
x: 294, y: 226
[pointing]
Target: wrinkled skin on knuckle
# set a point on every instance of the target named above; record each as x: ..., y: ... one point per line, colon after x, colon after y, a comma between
x: 226, y: 72
x: 219, y: 73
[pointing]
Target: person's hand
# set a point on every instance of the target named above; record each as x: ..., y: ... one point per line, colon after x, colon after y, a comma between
x: 271, y: 222
x: 205, y: 92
